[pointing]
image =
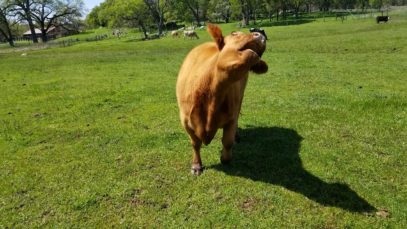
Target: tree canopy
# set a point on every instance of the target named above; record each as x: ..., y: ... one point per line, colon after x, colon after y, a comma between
x: 147, y: 13
x: 40, y: 14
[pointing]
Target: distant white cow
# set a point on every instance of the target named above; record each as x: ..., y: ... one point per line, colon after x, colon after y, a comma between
x: 190, y: 34
x: 118, y: 33
x: 190, y: 28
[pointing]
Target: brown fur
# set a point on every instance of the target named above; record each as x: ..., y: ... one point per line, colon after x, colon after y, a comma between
x: 210, y: 87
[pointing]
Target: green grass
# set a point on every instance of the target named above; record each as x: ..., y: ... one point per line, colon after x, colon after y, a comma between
x: 90, y: 135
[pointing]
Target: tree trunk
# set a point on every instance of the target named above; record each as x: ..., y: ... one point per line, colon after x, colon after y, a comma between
x: 157, y: 13
x: 245, y: 20
x: 160, y: 25
x: 10, y: 38
x: 297, y: 9
x: 246, y: 17
x: 245, y: 13
x: 11, y: 42
x: 254, y: 17
x: 226, y: 16
x: 32, y: 29
x: 7, y: 34
x: 27, y: 11
x: 196, y: 16
x: 44, y: 37
x: 198, y: 19
x: 195, y: 13
x: 144, y: 29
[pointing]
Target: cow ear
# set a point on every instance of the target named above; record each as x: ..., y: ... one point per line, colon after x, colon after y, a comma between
x: 216, y: 34
x: 260, y: 67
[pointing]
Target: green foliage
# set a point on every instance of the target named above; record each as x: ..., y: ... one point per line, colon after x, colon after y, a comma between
x: 220, y: 10
x: 110, y: 13
x: 90, y: 134
x: 93, y: 20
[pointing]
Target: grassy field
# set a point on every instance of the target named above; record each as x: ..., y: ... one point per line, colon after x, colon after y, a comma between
x: 90, y: 135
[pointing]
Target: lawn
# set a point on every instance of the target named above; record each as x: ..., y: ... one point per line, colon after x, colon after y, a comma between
x: 90, y: 134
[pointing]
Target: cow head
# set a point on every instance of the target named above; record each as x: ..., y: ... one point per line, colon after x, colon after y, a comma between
x: 239, y: 42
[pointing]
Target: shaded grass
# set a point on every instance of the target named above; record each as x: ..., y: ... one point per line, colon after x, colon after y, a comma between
x: 90, y: 135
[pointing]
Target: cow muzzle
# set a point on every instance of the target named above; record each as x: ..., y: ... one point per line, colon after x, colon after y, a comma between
x: 259, y: 37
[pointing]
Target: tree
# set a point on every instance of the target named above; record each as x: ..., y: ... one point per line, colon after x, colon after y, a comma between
x: 324, y: 5
x: 277, y: 6
x: 94, y: 19
x: 54, y: 13
x: 269, y: 7
x: 308, y: 5
x: 106, y: 14
x: 198, y: 8
x: 248, y: 10
x: 344, y: 4
x: 121, y: 13
x: 245, y: 11
x: 134, y: 13
x: 6, y: 23
x: 157, y: 8
x: 296, y: 4
x: 23, y: 10
x: 378, y: 4
x: 220, y: 9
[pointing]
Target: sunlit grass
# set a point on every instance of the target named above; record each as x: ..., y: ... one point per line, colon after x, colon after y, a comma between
x: 90, y: 134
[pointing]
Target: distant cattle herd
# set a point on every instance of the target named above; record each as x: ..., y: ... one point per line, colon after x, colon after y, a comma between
x: 188, y: 32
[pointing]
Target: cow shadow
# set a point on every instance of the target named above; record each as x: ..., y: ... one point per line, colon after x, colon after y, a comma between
x: 271, y: 155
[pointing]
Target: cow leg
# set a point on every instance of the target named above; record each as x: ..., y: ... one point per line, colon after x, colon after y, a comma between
x: 196, y: 168
x: 229, y: 134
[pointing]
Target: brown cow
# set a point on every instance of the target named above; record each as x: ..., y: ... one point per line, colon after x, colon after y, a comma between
x: 210, y: 88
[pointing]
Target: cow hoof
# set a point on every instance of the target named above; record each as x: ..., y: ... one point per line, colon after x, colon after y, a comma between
x: 196, y: 170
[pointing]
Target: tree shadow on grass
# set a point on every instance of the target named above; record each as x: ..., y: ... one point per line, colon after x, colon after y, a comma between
x: 271, y: 155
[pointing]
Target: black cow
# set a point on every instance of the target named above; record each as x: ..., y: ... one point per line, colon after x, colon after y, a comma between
x: 252, y: 30
x: 382, y: 18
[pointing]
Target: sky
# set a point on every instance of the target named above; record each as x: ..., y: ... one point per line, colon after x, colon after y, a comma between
x: 91, y: 3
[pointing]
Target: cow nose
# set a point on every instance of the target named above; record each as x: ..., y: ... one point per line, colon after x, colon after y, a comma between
x: 258, y: 36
